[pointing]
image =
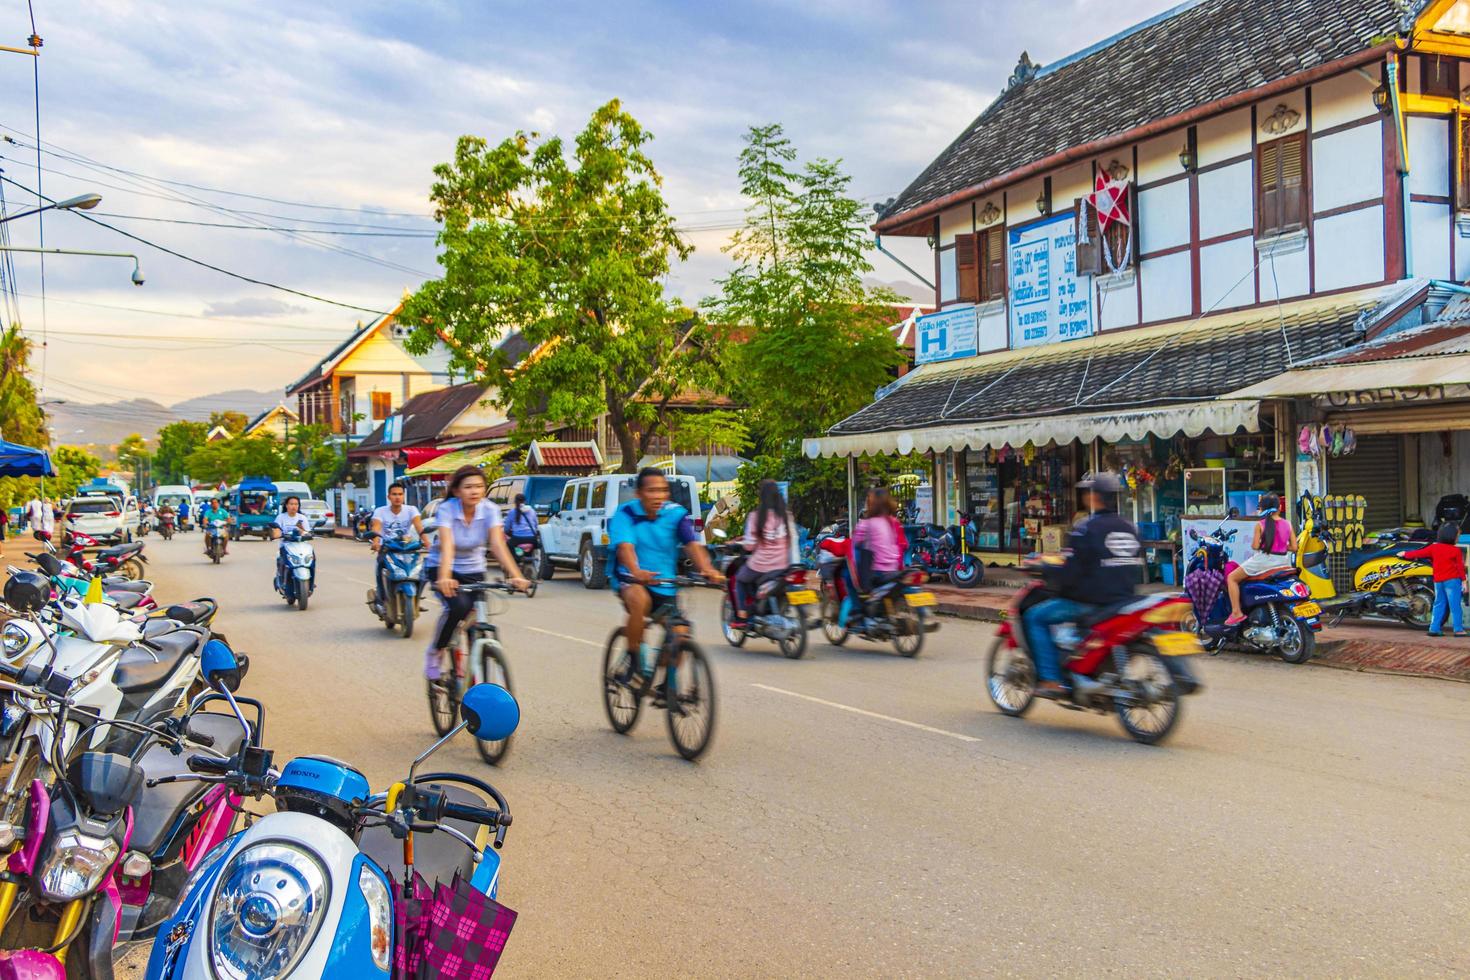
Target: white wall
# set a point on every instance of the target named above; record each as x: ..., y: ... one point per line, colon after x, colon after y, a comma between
x: 1115, y: 301
x: 1163, y: 216
x: 1347, y: 167
x: 1430, y: 226
x: 1429, y: 155
x: 1285, y: 274
x: 1166, y: 287
x: 1343, y: 98
x: 1349, y: 249
x: 1223, y: 137
x: 994, y: 334
x: 1225, y: 274
x: 948, y: 285
x: 1226, y: 199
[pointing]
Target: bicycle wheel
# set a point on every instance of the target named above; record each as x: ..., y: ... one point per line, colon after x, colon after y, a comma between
x: 495, y: 670
x: 621, y: 684
x: 691, y: 701
x: 444, y: 693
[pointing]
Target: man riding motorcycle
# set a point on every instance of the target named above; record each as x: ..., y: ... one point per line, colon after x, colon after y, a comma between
x: 390, y: 522
x: 213, y: 511
x: 1101, y: 569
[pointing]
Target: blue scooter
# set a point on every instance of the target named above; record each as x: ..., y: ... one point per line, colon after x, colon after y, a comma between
x: 334, y: 883
x: 401, y: 566
x: 1280, y: 616
x: 296, y: 569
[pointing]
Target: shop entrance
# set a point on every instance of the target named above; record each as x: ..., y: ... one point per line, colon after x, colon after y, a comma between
x: 1376, y: 473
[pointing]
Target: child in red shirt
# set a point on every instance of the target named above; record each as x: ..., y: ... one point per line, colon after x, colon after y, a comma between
x: 1449, y: 577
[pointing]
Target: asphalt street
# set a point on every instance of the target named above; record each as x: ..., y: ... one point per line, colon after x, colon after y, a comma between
x: 861, y: 814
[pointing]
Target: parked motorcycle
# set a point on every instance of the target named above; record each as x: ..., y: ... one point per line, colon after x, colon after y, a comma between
x: 1127, y: 658
x: 216, y: 538
x: 403, y: 561
x: 296, y: 569
x: 1280, y: 617
x: 126, y: 560
x: 775, y: 608
x: 946, y: 552
x: 334, y: 883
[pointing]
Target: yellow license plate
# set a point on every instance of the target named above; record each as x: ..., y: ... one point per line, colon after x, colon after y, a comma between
x: 801, y: 597
x: 1177, y: 644
x: 1306, y: 609
x: 920, y: 598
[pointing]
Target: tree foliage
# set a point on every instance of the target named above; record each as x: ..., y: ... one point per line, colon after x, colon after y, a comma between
x: 230, y: 460
x: 703, y: 432
x: 233, y: 422
x: 21, y: 419
x: 807, y: 343
x: 569, y: 245
x: 176, y: 441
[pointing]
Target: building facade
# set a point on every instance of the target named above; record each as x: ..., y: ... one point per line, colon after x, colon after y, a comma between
x: 1127, y: 238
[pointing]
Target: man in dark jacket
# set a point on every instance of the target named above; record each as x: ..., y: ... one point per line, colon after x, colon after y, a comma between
x: 1101, y: 570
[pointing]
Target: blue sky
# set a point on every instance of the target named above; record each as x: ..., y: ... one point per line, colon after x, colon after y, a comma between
x: 350, y: 105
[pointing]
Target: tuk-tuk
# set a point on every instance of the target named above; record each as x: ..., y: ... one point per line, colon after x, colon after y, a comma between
x: 254, y: 503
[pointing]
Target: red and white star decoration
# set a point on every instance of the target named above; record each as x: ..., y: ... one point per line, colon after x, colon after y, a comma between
x: 1109, y: 199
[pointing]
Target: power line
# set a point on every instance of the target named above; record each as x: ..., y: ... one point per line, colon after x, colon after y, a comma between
x: 190, y: 316
x: 314, y: 231
x: 35, y: 40
x: 206, y: 265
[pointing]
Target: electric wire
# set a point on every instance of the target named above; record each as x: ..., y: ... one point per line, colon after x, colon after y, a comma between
x: 214, y: 268
x: 41, y: 214
x: 209, y: 318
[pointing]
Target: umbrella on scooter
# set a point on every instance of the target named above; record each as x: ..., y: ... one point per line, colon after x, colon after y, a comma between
x: 18, y: 460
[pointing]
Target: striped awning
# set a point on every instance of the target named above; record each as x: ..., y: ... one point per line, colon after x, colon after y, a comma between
x: 450, y: 462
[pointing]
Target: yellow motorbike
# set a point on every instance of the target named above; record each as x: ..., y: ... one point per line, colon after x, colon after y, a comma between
x: 1386, y: 585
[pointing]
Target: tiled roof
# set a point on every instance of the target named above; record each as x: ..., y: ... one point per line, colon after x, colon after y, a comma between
x: 1149, y: 367
x: 425, y: 416
x: 579, y: 455
x: 1191, y: 56
x: 491, y: 433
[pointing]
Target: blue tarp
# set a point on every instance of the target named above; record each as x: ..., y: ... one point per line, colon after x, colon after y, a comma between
x: 24, y: 461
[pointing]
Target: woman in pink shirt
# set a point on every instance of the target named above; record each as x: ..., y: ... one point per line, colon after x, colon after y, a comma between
x: 880, y: 540
x: 770, y: 537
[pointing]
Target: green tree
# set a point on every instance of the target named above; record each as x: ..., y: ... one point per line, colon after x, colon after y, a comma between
x: 176, y: 441
x: 21, y: 419
x: 807, y: 342
x: 703, y: 432
x: 570, y: 245
x: 73, y: 468
x: 317, y: 458
x: 234, y: 422
x: 231, y: 459
x: 132, y: 454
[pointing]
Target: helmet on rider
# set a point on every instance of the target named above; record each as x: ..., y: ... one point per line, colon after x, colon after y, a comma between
x: 1103, y: 490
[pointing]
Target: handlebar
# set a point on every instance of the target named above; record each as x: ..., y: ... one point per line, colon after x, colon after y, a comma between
x: 677, y: 581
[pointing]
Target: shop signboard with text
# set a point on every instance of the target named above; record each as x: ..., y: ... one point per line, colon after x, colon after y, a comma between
x: 1050, y: 302
x: 943, y: 336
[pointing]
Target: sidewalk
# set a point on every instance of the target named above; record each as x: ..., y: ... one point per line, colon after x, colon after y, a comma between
x: 1387, y: 648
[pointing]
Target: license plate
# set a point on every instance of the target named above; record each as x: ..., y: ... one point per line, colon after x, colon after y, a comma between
x: 1306, y: 609
x: 1177, y: 644
x: 801, y: 597
x: 920, y: 598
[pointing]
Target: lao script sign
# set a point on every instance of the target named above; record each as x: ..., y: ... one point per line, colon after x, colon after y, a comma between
x: 1049, y: 301
x: 946, y: 335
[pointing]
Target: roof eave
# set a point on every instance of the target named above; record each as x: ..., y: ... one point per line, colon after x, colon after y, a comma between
x: 917, y: 221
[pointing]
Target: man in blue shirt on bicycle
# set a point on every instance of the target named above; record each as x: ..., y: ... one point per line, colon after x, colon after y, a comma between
x: 646, y: 535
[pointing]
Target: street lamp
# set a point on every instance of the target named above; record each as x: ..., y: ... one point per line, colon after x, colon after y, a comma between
x: 137, y: 267
x: 82, y: 202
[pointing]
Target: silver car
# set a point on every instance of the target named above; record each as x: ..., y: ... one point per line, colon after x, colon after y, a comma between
x: 317, y: 513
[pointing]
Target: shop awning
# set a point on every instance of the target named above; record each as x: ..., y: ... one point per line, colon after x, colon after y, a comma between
x: 449, y: 462
x: 419, y: 455
x: 1220, y: 417
x: 1158, y: 380
x: 1405, y: 372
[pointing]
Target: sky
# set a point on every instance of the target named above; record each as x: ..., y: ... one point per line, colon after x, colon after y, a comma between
x: 314, y: 118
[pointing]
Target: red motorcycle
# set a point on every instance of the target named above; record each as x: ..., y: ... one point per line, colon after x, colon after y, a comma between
x: 1127, y: 658
x: 122, y: 559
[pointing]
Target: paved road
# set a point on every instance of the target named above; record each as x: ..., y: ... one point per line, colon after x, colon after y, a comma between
x: 864, y: 815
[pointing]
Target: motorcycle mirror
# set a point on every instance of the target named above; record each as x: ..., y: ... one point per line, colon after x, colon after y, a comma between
x: 490, y: 711
x: 220, y: 666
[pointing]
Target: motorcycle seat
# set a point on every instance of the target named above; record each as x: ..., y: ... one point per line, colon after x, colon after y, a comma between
x: 156, y: 627
x: 150, y: 663
x: 126, y: 585
x: 121, y: 550
x: 125, y: 600
x: 1098, y: 614
x: 1359, y: 558
x: 436, y: 856
x: 158, y: 807
x: 192, y: 612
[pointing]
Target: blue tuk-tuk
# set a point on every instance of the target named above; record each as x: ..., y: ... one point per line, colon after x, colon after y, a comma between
x: 254, y: 503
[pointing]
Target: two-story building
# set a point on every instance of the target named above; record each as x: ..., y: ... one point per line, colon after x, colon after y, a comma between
x: 1126, y: 238
x: 366, y: 378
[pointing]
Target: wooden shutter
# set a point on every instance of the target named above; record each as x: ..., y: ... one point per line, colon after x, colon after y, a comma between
x: 1268, y: 181
x: 1137, y: 226
x: 1089, y: 252
x: 1293, y: 182
x: 967, y: 269
x: 992, y: 264
x: 1462, y: 154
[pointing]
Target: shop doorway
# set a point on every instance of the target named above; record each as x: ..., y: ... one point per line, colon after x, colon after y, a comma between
x: 1376, y: 473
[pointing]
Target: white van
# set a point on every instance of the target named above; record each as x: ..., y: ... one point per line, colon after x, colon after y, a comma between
x: 575, y: 535
x: 173, y: 495
x: 292, y: 488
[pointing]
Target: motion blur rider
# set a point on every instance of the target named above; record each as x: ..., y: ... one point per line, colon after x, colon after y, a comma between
x: 213, y: 511
x: 522, y: 525
x: 393, y: 521
x: 1101, y: 569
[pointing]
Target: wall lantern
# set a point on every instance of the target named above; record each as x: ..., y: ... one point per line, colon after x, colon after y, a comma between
x: 1186, y: 157
x: 1380, y: 98
x: 1189, y: 152
x: 932, y: 240
x: 1043, y: 203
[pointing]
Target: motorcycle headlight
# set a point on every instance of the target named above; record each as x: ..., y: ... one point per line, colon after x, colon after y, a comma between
x: 380, y: 915
x: 15, y: 639
x: 76, y: 865
x: 267, y: 909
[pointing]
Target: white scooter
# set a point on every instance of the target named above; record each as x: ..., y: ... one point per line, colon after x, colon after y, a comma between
x: 296, y: 569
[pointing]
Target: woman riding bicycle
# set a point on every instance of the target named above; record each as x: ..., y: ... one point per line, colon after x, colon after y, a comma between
x: 467, y: 523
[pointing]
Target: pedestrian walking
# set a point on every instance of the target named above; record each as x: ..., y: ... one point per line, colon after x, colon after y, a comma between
x: 1449, y: 577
